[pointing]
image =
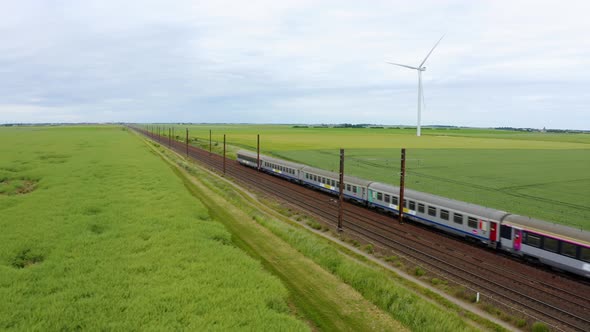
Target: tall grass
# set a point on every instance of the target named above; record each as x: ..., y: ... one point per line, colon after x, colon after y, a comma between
x: 109, y: 239
x: 374, y: 284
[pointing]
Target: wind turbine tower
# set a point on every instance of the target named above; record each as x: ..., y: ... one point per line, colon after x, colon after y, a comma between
x: 420, y: 69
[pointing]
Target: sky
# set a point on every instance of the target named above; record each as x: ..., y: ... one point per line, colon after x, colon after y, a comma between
x: 500, y: 64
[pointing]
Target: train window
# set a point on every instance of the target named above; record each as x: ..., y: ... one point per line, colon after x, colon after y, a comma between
x: 532, y: 240
x: 506, y: 232
x: 348, y: 187
x: 432, y: 211
x: 338, y: 184
x: 444, y: 214
x: 420, y: 207
x: 393, y: 200
x: 458, y: 218
x: 585, y: 254
x: 387, y: 198
x: 354, y: 189
x: 550, y: 244
x: 568, y: 249
x: 379, y: 196
x: 412, y: 205
x: 315, y: 178
x: 472, y: 222
x: 333, y: 183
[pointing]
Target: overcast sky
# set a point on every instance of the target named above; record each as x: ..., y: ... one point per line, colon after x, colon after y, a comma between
x: 501, y: 63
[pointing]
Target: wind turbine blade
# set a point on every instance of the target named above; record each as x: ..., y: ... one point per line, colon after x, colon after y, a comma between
x: 426, y: 58
x: 397, y: 64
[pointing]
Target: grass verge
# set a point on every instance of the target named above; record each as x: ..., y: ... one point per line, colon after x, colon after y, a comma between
x: 381, y: 287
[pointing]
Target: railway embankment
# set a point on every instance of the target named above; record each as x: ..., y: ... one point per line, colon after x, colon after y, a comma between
x: 261, y: 231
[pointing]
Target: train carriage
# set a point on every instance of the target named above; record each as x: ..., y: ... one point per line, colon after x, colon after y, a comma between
x: 354, y: 188
x: 560, y: 246
x: 282, y: 168
x: 556, y: 245
x: 464, y: 219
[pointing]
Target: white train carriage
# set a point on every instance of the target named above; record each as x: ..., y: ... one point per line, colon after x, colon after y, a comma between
x: 247, y: 158
x: 560, y: 246
x: 556, y: 245
x: 282, y: 168
x: 464, y: 219
x: 354, y: 188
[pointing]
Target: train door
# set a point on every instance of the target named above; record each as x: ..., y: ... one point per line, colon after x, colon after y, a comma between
x: 493, y: 231
x: 364, y: 194
x: 517, y: 239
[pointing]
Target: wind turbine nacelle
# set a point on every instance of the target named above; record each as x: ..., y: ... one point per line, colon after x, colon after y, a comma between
x: 422, y: 69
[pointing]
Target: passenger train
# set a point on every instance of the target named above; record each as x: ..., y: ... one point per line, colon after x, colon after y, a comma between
x: 555, y: 245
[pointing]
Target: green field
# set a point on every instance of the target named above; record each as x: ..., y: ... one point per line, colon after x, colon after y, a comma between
x: 97, y: 233
x: 103, y: 231
x: 542, y: 175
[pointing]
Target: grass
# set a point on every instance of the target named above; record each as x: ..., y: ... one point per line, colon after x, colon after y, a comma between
x: 110, y: 239
x: 324, y: 300
x: 542, y: 175
x: 377, y: 285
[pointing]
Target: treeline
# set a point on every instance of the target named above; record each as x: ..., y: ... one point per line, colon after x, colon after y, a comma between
x: 531, y: 130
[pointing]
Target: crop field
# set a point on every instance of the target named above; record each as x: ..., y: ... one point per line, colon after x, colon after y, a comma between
x: 98, y: 233
x: 541, y: 175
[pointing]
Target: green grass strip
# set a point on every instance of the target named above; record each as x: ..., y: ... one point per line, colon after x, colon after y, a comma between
x: 378, y: 286
x: 321, y: 298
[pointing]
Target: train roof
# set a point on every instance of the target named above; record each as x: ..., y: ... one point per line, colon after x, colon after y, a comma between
x: 547, y: 228
x: 271, y: 159
x: 334, y: 175
x: 451, y: 204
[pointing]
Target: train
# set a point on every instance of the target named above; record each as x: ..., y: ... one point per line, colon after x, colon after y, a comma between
x: 558, y: 246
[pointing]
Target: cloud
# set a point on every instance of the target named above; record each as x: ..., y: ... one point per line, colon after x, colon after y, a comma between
x: 519, y: 62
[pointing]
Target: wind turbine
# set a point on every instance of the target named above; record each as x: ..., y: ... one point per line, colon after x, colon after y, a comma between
x: 420, y: 69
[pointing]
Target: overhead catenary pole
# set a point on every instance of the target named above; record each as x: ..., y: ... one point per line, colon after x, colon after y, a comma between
x: 223, y: 154
x: 402, y: 178
x: 341, y: 190
x: 258, y: 152
x: 187, y: 142
x: 209, y: 142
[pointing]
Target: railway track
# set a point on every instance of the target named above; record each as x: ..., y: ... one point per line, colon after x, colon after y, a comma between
x: 561, y: 302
